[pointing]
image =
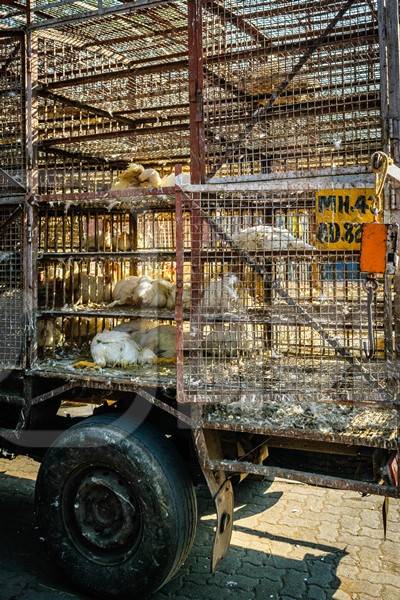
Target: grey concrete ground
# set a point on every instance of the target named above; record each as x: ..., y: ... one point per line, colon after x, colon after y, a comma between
x: 290, y: 542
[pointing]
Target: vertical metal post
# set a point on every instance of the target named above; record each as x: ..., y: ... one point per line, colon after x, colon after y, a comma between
x: 197, y: 140
x: 384, y: 73
x: 393, y: 115
x: 393, y: 49
x: 30, y: 218
x: 179, y: 248
x: 196, y: 81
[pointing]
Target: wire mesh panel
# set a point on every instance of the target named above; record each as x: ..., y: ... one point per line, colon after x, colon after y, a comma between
x: 91, y: 260
x: 290, y: 85
x: 112, y: 90
x: 280, y: 327
x: 12, y: 320
x: 12, y: 117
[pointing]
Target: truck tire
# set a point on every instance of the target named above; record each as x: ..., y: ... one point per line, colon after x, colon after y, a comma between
x: 116, y: 507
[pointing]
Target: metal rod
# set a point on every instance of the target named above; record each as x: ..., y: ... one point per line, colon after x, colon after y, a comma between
x: 304, y: 477
x: 126, y: 7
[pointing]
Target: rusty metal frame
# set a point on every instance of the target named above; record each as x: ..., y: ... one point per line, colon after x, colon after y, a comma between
x: 196, y: 78
x: 125, y: 7
x: 216, y: 464
x: 304, y: 477
x: 310, y: 50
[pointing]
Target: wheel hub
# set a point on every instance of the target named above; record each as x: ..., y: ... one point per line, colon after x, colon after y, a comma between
x: 106, y: 514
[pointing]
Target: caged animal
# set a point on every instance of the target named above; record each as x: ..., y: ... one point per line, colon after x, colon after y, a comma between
x: 137, y: 176
x: 49, y: 334
x: 125, y: 292
x: 160, y: 294
x: 149, y: 178
x: 128, y: 178
x: 268, y: 238
x: 147, y: 292
x: 118, y: 348
x: 161, y: 340
x: 134, y: 291
x: 221, y: 294
x: 135, y: 325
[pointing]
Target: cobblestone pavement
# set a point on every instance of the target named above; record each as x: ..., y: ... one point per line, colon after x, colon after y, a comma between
x: 290, y: 542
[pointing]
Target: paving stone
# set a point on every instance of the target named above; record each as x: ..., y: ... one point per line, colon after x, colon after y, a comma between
x: 315, y: 593
x: 268, y: 590
x: 290, y: 542
x: 294, y: 584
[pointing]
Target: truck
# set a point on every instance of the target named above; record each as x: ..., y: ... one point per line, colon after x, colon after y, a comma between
x: 199, y: 278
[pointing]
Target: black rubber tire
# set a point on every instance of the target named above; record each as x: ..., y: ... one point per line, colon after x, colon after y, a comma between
x: 152, y: 468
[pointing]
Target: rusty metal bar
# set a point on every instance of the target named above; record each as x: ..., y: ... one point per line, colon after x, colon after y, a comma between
x: 298, y: 434
x: 126, y: 7
x: 43, y: 92
x: 120, y: 74
x: 179, y: 248
x: 304, y: 477
x: 237, y: 20
x: 196, y: 77
x: 30, y: 229
x: 136, y: 131
x: 53, y: 393
x: 197, y: 138
x: 392, y: 30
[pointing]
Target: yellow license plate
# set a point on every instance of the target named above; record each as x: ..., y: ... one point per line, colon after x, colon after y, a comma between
x: 340, y: 215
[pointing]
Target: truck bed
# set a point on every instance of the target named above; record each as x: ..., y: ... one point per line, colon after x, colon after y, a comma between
x: 271, y: 411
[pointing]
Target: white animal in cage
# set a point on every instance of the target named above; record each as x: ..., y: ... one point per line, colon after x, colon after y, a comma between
x: 268, y: 238
x: 221, y: 294
x: 125, y: 292
x: 147, y: 292
x: 161, y: 340
x: 129, y: 177
x: 149, y: 178
x: 117, y: 348
x: 160, y: 294
x: 137, y: 176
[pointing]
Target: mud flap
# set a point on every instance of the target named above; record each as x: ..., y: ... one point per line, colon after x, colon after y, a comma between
x: 208, y: 444
x: 224, y: 506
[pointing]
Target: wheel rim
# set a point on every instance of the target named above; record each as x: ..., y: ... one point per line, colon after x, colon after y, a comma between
x: 102, y: 515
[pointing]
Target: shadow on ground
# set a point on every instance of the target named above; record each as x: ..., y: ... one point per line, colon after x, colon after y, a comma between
x: 246, y: 574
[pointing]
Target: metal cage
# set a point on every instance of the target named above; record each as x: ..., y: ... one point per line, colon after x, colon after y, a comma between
x: 277, y: 107
x: 280, y: 329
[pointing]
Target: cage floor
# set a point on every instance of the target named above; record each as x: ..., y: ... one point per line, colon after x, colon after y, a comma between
x: 160, y: 375
x: 273, y: 413
x: 344, y: 424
